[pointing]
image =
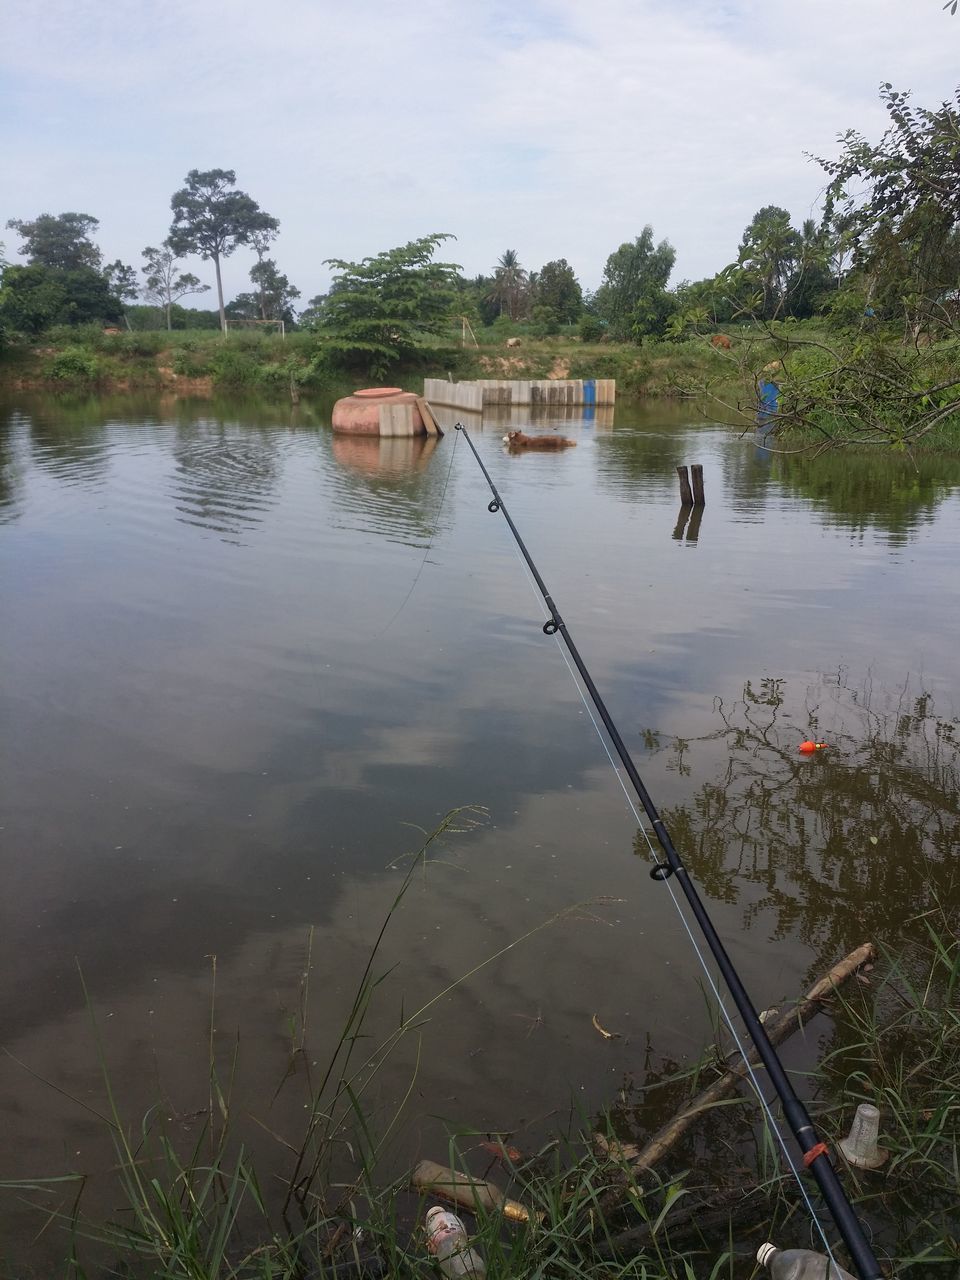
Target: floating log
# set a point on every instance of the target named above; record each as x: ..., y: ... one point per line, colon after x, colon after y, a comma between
x: 469, y: 1193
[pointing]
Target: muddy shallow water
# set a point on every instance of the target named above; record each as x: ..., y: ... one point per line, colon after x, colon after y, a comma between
x: 245, y: 663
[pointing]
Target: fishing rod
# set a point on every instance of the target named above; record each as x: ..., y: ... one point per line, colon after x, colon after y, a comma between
x: 815, y: 1154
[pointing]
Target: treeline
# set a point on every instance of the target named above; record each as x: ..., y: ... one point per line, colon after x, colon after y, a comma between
x: 890, y: 255
x: 65, y: 280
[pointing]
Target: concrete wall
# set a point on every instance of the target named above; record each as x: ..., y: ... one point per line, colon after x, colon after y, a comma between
x: 457, y: 395
x: 505, y: 391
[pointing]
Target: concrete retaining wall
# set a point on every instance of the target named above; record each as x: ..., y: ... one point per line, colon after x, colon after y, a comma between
x: 474, y: 396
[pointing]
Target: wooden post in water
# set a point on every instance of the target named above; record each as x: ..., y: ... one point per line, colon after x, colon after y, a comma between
x: 686, y: 497
x: 696, y: 475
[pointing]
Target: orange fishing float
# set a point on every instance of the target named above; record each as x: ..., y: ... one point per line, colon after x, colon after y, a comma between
x: 808, y: 748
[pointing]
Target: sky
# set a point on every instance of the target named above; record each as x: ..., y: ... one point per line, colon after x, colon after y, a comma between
x: 557, y: 128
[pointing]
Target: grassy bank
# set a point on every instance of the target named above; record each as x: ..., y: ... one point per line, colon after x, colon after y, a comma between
x: 195, y: 1208
x: 871, y: 390
x: 198, y: 363
x: 187, y: 363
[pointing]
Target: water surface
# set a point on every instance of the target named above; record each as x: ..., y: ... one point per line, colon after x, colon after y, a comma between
x: 245, y: 663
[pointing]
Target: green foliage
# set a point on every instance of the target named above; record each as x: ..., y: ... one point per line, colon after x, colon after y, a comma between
x: 545, y: 321
x: 591, y: 328
x: 34, y: 298
x: 211, y: 219
x: 190, y: 364
x: 633, y: 297
x: 121, y: 281
x: 165, y: 284
x: 233, y: 368
x: 558, y: 288
x: 275, y: 294
x: 385, y: 310
x: 903, y: 229
x: 769, y: 253
x: 61, y: 242
x: 74, y: 364
x: 509, y: 289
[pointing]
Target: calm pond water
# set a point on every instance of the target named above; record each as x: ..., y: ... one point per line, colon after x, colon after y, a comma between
x: 245, y: 662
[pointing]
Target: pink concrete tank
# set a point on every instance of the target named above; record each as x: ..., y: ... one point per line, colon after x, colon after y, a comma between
x: 359, y: 414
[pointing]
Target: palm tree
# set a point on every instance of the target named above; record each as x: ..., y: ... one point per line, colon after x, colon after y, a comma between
x: 770, y: 248
x: 509, y: 284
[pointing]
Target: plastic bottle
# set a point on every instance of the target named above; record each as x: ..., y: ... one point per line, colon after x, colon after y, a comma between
x: 799, y: 1264
x: 447, y: 1241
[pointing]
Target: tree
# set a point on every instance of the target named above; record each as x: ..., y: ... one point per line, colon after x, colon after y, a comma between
x: 61, y: 241
x: 770, y: 250
x: 509, y: 285
x: 633, y: 297
x: 260, y: 242
x: 812, y: 280
x: 380, y: 311
x: 245, y: 306
x: 275, y: 293
x: 903, y: 228
x: 122, y: 281
x: 211, y: 219
x: 558, y: 288
x: 165, y: 284
x: 35, y: 297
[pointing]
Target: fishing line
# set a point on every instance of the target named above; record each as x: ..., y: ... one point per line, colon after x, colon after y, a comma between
x: 724, y: 1012
x: 815, y: 1154
x: 436, y: 530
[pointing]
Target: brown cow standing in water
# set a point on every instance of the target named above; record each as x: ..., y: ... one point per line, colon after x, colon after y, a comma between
x: 517, y: 440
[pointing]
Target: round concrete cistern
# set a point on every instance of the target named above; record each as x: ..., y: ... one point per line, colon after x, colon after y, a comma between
x: 359, y: 414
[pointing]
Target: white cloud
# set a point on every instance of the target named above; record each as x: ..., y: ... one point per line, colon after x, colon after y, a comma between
x: 554, y: 127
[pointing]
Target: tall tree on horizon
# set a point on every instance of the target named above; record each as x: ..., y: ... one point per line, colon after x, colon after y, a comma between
x: 211, y: 219
x: 557, y: 287
x: 62, y: 241
x: 509, y: 284
x: 165, y: 284
x: 771, y: 249
x: 632, y: 298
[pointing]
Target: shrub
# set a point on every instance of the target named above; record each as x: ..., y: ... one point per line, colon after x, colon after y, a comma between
x: 233, y: 368
x: 139, y: 344
x: 74, y: 364
x: 190, y: 364
x: 591, y: 328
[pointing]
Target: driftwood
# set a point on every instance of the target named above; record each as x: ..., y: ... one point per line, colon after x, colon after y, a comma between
x: 777, y: 1029
x: 469, y: 1193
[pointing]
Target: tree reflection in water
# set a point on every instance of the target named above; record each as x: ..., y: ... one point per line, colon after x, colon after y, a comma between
x: 850, y: 844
